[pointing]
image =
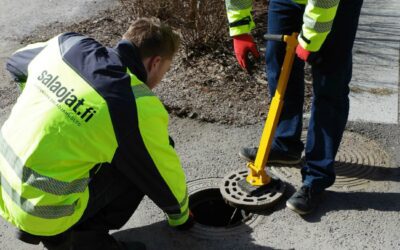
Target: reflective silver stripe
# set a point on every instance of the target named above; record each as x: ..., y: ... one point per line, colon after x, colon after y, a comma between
x: 34, y: 179
x: 51, y: 185
x: 46, y: 212
x: 178, y: 216
x: 141, y: 90
x: 176, y: 207
x: 324, y: 4
x: 238, y: 4
x: 184, y: 200
x: 319, y: 27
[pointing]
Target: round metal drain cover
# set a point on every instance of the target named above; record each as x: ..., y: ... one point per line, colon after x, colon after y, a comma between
x: 356, y: 162
x: 233, y: 189
x: 248, y: 220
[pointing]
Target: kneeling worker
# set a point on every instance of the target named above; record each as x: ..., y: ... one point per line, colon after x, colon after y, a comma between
x: 87, y: 139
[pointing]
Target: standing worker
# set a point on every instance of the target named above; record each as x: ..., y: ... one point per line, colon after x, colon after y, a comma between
x: 87, y: 139
x: 327, y: 31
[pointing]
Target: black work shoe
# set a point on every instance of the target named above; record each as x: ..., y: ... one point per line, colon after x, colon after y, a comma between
x: 274, y: 157
x: 304, y: 200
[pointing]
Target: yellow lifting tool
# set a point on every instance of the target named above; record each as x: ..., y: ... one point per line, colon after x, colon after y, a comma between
x: 254, y: 189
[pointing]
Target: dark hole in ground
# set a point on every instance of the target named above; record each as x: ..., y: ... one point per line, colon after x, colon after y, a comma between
x: 209, y: 209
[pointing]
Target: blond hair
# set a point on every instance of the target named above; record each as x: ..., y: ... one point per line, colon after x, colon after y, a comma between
x: 152, y: 38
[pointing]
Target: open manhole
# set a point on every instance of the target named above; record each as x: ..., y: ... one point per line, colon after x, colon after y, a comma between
x: 356, y: 163
x: 209, y: 209
x: 215, y: 219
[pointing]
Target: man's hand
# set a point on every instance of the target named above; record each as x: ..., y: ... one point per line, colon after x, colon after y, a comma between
x: 311, y: 57
x: 187, y: 225
x: 243, y: 44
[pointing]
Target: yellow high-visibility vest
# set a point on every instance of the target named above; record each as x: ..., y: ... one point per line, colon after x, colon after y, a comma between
x: 82, y: 107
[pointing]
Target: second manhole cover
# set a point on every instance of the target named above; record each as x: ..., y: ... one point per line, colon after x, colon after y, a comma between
x: 356, y: 163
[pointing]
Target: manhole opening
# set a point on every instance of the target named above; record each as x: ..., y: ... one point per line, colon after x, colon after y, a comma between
x: 209, y: 209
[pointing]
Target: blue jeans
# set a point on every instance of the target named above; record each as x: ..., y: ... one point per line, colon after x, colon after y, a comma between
x: 331, y: 78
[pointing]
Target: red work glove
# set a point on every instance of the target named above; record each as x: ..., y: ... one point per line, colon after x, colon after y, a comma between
x: 307, y: 56
x: 302, y: 53
x: 243, y: 44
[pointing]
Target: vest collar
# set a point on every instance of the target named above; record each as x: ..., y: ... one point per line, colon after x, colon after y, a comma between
x: 130, y: 57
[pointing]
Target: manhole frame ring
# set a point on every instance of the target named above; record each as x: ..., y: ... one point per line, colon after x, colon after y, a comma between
x: 292, y: 174
x: 209, y: 232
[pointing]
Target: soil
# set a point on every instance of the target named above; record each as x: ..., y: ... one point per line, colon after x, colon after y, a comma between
x: 205, y: 84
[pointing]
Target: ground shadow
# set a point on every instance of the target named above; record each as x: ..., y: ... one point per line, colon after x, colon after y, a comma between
x: 281, y: 203
x: 360, y: 201
x: 374, y: 173
x: 160, y: 236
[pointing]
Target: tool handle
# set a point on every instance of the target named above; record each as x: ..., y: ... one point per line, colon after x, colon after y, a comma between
x: 273, y: 37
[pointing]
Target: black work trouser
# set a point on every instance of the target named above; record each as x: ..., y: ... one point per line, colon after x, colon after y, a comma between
x: 112, y: 201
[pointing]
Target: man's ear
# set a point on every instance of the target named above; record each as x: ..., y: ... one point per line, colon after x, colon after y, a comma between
x: 153, y: 63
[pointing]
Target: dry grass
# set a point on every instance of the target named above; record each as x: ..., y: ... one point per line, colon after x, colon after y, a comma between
x: 201, y: 23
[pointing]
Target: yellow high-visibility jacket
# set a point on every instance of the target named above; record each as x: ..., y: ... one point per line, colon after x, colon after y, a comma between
x: 83, y: 105
x: 317, y: 20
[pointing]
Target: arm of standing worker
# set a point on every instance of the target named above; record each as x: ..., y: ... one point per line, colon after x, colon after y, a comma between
x: 240, y: 25
x: 239, y: 16
x: 317, y: 23
x: 18, y: 63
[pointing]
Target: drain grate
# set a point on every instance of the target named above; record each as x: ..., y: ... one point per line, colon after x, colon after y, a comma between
x: 356, y: 164
x: 234, y: 189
